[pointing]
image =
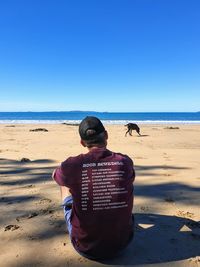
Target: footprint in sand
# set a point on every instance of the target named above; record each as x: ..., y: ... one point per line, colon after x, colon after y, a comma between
x: 11, y: 227
x: 45, y: 200
x: 26, y: 216
x: 57, y: 225
x: 34, y: 214
x: 46, y: 211
x: 28, y: 186
x: 195, y: 259
x: 144, y: 208
x: 169, y: 199
x: 184, y: 214
x: 30, y: 237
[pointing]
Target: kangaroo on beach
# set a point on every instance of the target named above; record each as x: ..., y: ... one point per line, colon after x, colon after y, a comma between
x: 131, y: 127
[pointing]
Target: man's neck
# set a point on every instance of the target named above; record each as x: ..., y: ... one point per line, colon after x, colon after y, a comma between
x: 96, y: 147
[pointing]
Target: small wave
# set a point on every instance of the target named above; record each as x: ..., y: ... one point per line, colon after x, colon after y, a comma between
x: 115, y: 122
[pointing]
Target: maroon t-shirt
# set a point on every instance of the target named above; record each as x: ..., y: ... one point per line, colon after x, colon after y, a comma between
x: 101, y: 184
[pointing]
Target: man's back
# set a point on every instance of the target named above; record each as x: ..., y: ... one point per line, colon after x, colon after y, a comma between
x: 101, y: 186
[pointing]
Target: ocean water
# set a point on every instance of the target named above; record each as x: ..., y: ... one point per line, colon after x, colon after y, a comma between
x: 106, y: 117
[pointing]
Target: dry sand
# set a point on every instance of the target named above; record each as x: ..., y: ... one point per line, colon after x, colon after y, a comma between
x: 167, y: 195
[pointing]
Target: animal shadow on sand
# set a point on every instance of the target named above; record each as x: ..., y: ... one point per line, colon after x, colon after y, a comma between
x: 159, y: 239
x: 143, y: 135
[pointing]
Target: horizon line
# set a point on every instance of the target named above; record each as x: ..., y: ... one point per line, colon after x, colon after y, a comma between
x: 91, y: 111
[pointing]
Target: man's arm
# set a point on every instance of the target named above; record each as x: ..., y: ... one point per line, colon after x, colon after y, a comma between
x: 64, y: 192
x: 53, y: 174
x: 63, y: 189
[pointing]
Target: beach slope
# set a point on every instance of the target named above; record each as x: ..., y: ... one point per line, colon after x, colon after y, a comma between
x: 166, y: 206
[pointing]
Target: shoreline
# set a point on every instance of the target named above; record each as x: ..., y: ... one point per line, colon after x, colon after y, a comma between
x: 106, y: 122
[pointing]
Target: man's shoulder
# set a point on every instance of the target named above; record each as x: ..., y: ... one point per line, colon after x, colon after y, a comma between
x: 73, y: 159
x: 123, y: 156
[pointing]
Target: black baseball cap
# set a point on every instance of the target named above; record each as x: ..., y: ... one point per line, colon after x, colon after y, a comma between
x: 90, y: 127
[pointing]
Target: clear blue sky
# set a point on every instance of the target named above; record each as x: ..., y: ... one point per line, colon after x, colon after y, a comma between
x: 101, y: 55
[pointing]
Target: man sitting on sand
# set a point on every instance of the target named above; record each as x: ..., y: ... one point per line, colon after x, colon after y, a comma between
x: 97, y: 195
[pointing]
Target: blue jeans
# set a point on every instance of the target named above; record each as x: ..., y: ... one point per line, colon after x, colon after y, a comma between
x: 67, y: 207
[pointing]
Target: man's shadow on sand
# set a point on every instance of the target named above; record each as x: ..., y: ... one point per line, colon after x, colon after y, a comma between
x: 159, y: 239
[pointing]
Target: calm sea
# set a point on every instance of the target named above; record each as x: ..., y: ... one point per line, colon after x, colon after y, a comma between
x: 106, y: 117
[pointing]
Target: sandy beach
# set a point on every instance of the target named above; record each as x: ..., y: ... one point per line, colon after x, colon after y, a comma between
x: 166, y: 206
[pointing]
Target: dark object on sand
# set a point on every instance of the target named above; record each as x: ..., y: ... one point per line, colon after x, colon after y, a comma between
x: 132, y: 127
x: 32, y: 215
x: 71, y: 124
x: 169, y: 199
x: 25, y: 160
x: 11, y: 227
x: 39, y: 130
x: 172, y: 128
